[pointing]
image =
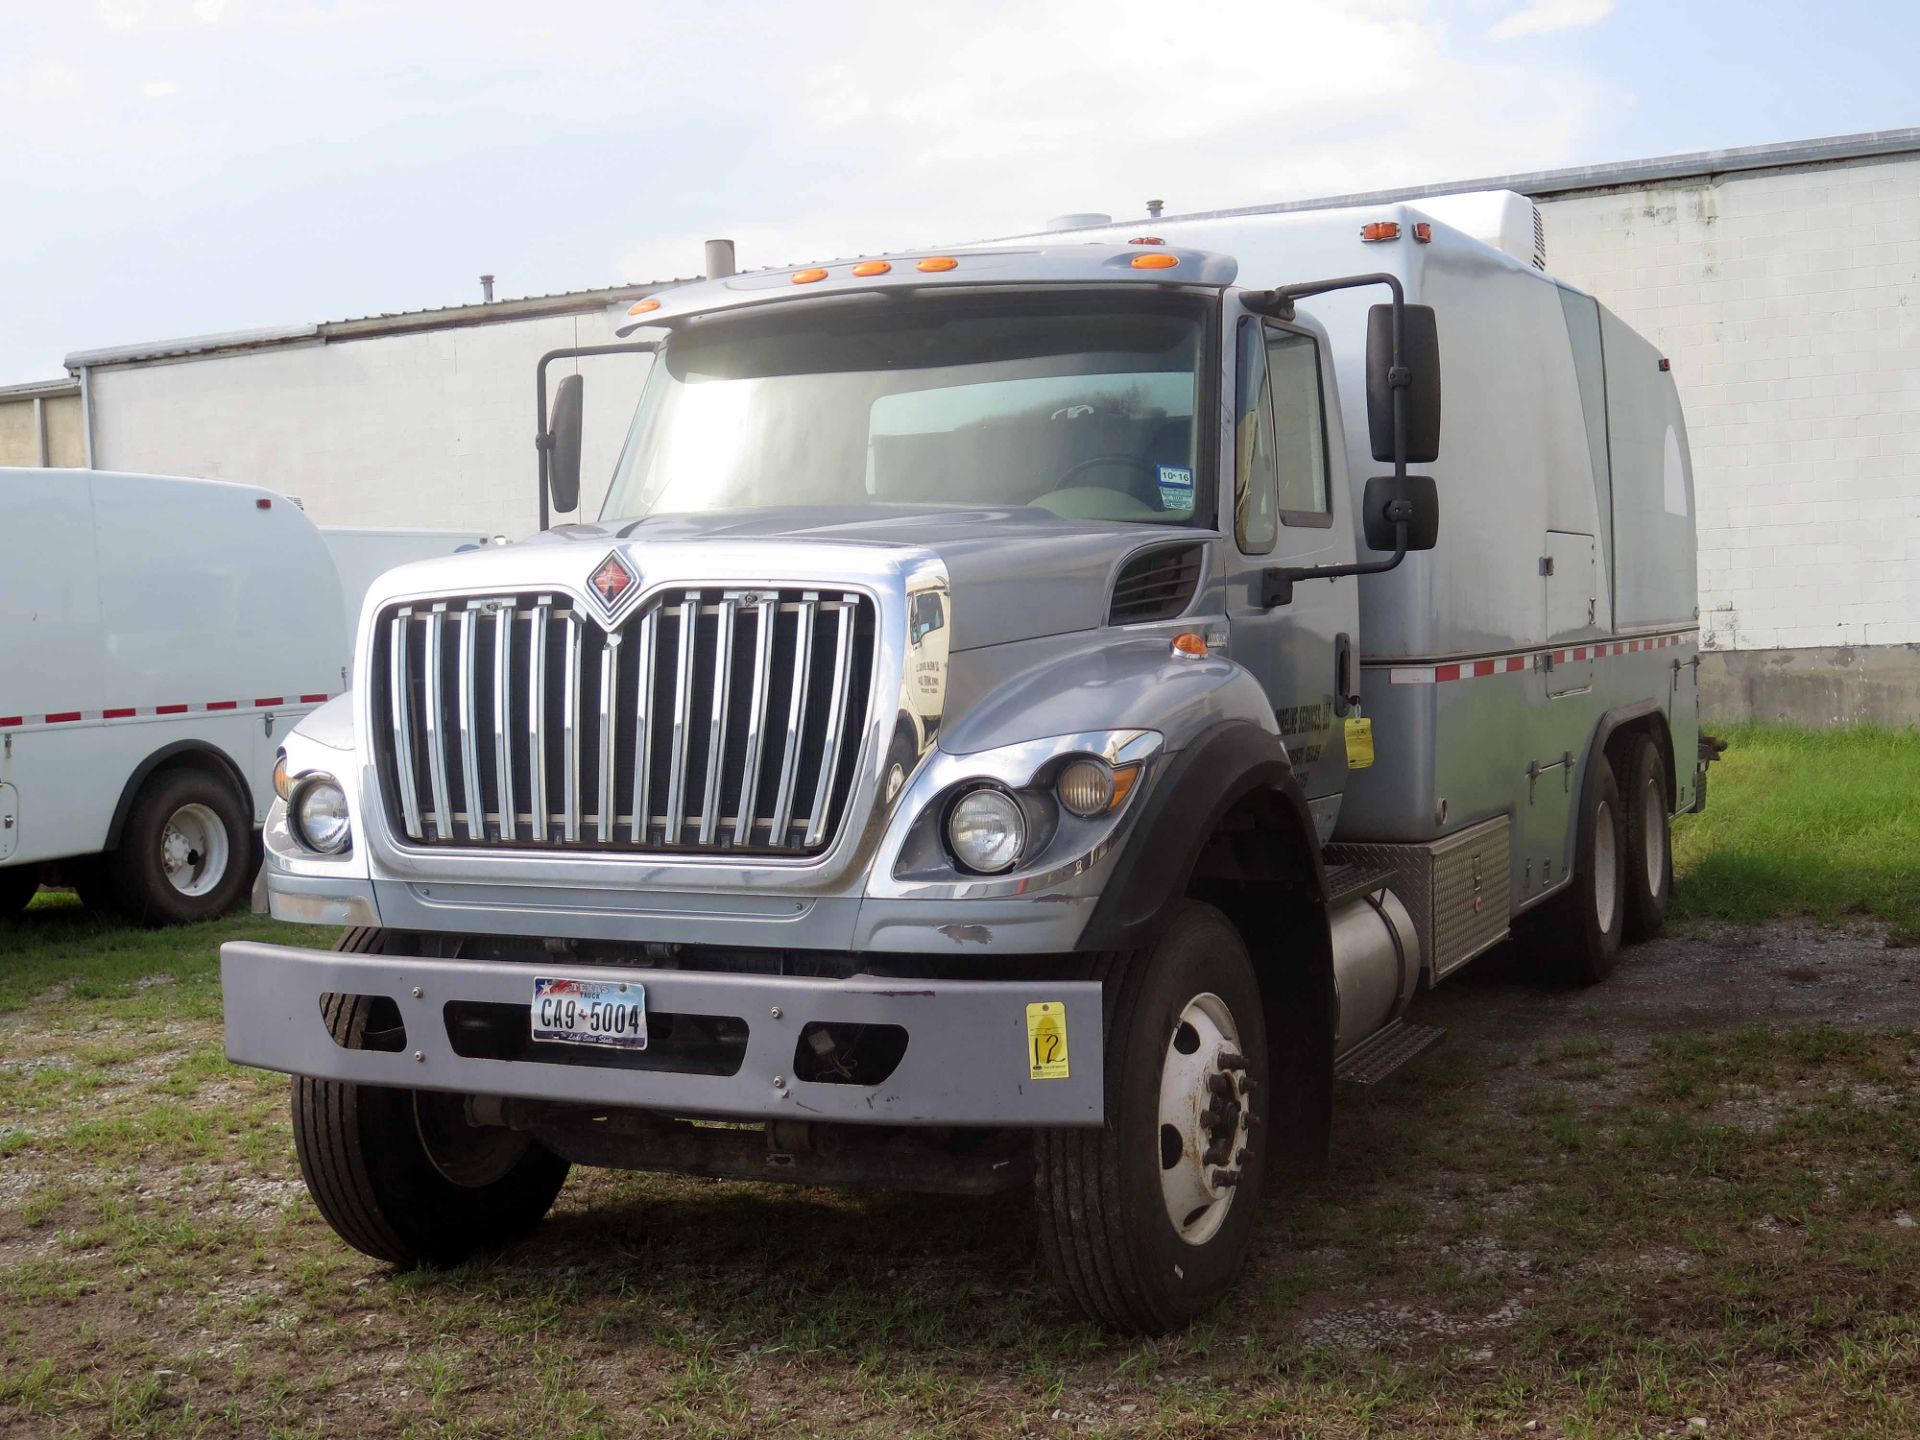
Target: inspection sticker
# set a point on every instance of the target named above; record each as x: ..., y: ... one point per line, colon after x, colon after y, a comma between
x: 1047, y: 1040
x: 1176, y: 487
x: 1359, y: 743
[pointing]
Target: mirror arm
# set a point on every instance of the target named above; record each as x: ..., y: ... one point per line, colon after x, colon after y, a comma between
x: 1276, y: 584
x: 542, y: 441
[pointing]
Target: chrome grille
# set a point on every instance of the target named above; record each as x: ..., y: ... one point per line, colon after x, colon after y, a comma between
x: 712, y: 720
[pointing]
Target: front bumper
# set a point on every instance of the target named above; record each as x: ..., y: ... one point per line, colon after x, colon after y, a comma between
x: 966, y: 1060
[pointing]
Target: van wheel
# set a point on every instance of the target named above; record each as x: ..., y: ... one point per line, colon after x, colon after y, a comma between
x: 1649, y: 841
x: 401, y: 1175
x: 18, y: 885
x: 1144, y: 1221
x: 1583, y: 927
x: 183, y: 852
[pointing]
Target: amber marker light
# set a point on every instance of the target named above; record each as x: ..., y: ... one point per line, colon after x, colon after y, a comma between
x: 1380, y: 230
x: 938, y: 262
x: 871, y: 267
x: 1189, y: 645
x: 807, y: 277
x: 641, y: 307
x: 1157, y: 260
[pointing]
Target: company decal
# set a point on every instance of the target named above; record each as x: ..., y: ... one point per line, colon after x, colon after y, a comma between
x: 1309, y: 722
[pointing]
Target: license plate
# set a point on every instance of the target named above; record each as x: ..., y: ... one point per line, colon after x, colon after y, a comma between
x: 590, y: 1012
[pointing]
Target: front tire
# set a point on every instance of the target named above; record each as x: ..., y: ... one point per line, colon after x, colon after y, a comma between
x: 1145, y: 1220
x: 184, y: 851
x: 400, y: 1174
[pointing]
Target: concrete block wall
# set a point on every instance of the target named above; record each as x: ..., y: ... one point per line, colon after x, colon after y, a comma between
x: 430, y: 428
x: 1789, y: 303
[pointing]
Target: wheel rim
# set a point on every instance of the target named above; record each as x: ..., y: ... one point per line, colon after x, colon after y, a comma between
x: 1606, y: 867
x: 1202, y: 1133
x: 1653, y: 840
x: 193, y: 850
x: 467, y: 1155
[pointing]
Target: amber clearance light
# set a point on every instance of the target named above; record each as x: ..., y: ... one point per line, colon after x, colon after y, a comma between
x: 1155, y: 260
x: 871, y: 267
x: 807, y: 277
x: 938, y: 262
x: 641, y: 307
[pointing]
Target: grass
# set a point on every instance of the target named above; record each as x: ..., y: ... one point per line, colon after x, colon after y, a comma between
x: 1800, y: 822
x: 1575, y: 1219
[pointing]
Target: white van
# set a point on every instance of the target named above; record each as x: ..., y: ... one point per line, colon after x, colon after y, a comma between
x: 158, y: 638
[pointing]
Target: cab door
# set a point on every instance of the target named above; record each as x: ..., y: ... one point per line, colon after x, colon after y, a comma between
x: 1288, y: 506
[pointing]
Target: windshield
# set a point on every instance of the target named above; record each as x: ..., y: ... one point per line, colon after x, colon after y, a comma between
x: 1080, y: 404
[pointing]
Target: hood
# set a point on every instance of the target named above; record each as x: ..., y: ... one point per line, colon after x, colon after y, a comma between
x: 1016, y: 574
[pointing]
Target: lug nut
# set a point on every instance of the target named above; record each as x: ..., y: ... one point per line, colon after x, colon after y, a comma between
x: 1231, y: 1060
x: 1224, y: 1179
x: 1220, y: 1086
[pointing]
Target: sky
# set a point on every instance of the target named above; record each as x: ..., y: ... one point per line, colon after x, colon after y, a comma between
x: 186, y: 167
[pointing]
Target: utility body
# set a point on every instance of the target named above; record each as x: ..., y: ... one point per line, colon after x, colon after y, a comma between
x: 159, y: 637
x: 1018, y: 720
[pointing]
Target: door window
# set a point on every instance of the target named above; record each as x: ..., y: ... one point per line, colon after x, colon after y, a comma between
x: 1280, y: 473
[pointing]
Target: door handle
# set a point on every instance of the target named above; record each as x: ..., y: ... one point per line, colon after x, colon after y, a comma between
x: 1343, y: 697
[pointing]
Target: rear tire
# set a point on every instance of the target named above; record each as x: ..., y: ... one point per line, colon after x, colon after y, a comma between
x: 1584, y: 926
x: 184, y: 850
x: 1649, y: 841
x: 399, y: 1174
x: 18, y: 885
x: 1138, y: 1236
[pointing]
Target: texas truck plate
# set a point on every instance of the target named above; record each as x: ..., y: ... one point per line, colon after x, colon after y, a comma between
x: 590, y: 1012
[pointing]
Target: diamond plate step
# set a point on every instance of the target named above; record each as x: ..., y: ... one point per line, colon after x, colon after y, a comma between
x: 1384, y: 1052
x: 1346, y: 882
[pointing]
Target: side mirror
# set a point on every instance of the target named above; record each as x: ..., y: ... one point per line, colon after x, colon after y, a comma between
x: 563, y: 445
x: 1420, y: 353
x: 1414, y: 499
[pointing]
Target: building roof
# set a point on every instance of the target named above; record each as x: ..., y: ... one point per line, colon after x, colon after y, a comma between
x: 448, y: 317
x: 40, y: 389
x: 1626, y: 174
x: 1537, y: 184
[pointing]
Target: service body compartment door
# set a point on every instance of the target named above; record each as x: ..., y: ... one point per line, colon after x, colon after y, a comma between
x: 1570, y: 576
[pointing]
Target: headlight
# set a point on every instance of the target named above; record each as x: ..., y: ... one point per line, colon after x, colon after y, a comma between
x: 986, y: 830
x: 319, y: 814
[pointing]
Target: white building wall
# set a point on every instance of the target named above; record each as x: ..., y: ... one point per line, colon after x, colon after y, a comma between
x: 433, y: 428
x: 1789, y: 303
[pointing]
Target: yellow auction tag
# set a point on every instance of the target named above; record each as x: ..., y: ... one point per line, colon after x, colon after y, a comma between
x: 1359, y: 742
x: 1047, y: 1040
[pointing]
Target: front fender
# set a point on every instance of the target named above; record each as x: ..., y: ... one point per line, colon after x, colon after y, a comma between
x: 1097, y: 680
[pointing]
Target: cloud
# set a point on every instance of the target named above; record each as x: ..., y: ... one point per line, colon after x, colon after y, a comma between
x: 1545, y: 16
x: 308, y: 158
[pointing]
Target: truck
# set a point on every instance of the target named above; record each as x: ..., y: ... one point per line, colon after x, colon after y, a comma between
x: 1020, y: 719
x: 159, y: 636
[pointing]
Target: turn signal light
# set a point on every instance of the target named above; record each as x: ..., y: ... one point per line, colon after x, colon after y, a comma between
x: 1158, y: 260
x: 641, y: 307
x: 1189, y: 645
x: 807, y: 277
x: 872, y: 267
x: 1380, y: 230
x: 938, y: 262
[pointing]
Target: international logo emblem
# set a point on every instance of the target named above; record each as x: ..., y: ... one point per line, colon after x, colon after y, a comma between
x: 613, y: 583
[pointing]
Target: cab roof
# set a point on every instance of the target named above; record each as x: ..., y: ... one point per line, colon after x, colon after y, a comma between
x: 1083, y: 263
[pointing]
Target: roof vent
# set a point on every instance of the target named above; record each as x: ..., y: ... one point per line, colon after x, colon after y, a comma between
x: 1500, y: 218
x: 1079, y: 220
x: 1155, y: 584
